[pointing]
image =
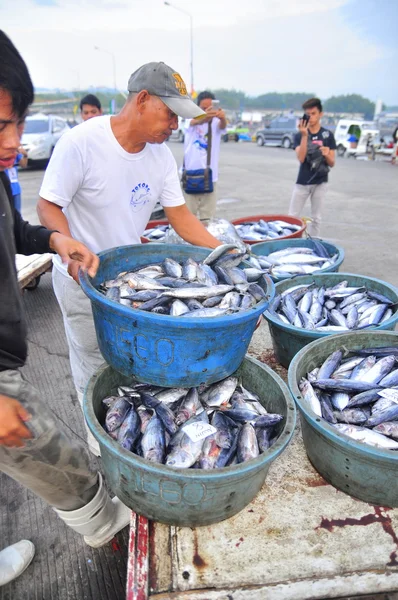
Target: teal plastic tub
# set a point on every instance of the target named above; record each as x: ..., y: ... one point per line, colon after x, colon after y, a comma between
x: 287, y: 340
x: 265, y: 248
x: 160, y: 349
x: 188, y: 497
x: 360, y: 470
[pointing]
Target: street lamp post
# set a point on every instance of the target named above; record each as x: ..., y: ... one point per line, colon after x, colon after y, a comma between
x: 191, y: 32
x: 113, y: 64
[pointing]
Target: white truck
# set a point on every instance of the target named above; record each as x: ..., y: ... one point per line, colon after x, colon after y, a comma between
x: 354, y: 137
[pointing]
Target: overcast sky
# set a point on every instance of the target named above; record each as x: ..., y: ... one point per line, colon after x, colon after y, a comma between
x: 328, y: 47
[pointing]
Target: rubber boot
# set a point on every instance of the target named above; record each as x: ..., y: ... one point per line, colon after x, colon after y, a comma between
x: 14, y: 560
x: 99, y: 520
x: 91, y: 441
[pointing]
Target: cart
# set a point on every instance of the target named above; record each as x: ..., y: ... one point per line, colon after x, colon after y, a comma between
x: 31, y: 268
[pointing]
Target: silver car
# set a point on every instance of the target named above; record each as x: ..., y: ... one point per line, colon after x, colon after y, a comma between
x: 40, y: 135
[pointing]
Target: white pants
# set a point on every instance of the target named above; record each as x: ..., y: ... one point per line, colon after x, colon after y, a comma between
x: 84, y: 355
x: 202, y: 206
x: 316, y: 193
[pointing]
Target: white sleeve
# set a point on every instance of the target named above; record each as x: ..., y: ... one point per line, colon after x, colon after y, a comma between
x: 64, y: 174
x: 172, y: 193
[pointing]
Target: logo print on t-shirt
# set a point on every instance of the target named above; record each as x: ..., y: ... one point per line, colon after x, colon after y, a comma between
x: 325, y: 134
x: 140, y: 195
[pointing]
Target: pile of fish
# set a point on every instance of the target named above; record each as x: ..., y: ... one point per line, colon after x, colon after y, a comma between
x: 253, y: 231
x: 338, y: 308
x: 213, y: 287
x: 208, y: 427
x: 221, y: 229
x: 259, y: 231
x: 157, y: 233
x: 358, y: 395
x: 296, y: 260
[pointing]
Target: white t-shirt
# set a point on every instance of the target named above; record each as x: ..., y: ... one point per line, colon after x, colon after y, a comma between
x: 108, y: 194
x: 195, y: 146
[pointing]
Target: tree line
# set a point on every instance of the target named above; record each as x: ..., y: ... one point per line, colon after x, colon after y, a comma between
x: 238, y: 100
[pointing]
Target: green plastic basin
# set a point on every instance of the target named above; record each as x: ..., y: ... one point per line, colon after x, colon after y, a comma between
x: 360, y: 470
x: 188, y: 497
x: 287, y: 340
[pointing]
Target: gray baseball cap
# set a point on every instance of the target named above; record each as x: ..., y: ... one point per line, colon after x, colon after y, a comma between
x: 161, y: 80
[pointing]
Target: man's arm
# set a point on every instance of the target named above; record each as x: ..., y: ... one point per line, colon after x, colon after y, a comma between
x: 52, y: 217
x: 13, y: 431
x: 223, y: 120
x: 329, y: 155
x: 301, y: 150
x: 76, y: 254
x: 189, y: 227
x: 23, y: 161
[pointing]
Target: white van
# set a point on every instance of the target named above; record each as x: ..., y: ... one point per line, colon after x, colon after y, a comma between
x: 363, y: 131
x: 40, y: 135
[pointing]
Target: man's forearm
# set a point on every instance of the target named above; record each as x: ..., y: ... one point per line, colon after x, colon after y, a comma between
x: 52, y: 217
x: 190, y: 228
x: 223, y: 123
x: 302, y: 149
x: 330, y: 160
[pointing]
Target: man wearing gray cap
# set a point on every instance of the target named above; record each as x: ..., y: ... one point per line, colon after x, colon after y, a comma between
x: 100, y: 187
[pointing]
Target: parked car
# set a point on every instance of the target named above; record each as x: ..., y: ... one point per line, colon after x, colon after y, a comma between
x: 382, y: 145
x: 235, y: 134
x: 40, y: 135
x: 279, y: 132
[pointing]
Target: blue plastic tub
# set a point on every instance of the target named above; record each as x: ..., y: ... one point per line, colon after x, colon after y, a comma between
x: 164, y: 350
x: 188, y: 497
x: 360, y: 470
x: 265, y: 248
x: 287, y: 340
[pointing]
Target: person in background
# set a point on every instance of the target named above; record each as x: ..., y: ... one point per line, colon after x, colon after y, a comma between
x: 195, y: 152
x: 12, y: 173
x: 395, y: 150
x: 101, y: 186
x: 35, y: 449
x: 90, y: 107
x: 315, y: 149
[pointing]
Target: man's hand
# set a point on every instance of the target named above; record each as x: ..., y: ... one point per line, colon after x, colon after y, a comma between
x: 72, y: 250
x: 325, y: 150
x: 303, y: 127
x: 13, y: 431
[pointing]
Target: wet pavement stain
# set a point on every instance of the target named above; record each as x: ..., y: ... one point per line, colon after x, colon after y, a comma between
x: 376, y: 517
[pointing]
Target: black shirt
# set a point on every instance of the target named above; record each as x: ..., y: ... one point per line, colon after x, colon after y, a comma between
x: 323, y: 137
x: 16, y: 235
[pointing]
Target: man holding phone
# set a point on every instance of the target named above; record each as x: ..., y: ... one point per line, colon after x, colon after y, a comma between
x: 196, y: 152
x: 315, y: 148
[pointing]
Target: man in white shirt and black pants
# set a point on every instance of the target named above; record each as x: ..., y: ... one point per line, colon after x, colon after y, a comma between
x: 100, y: 187
x: 195, y: 152
x: 315, y: 148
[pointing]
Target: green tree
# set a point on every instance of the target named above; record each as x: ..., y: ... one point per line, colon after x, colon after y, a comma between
x: 351, y: 103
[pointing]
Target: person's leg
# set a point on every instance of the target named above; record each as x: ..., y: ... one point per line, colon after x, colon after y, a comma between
x: 55, y: 466
x: 84, y: 355
x: 318, y: 193
x: 192, y: 201
x: 208, y: 205
x: 51, y: 464
x: 299, y: 197
x: 14, y: 560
